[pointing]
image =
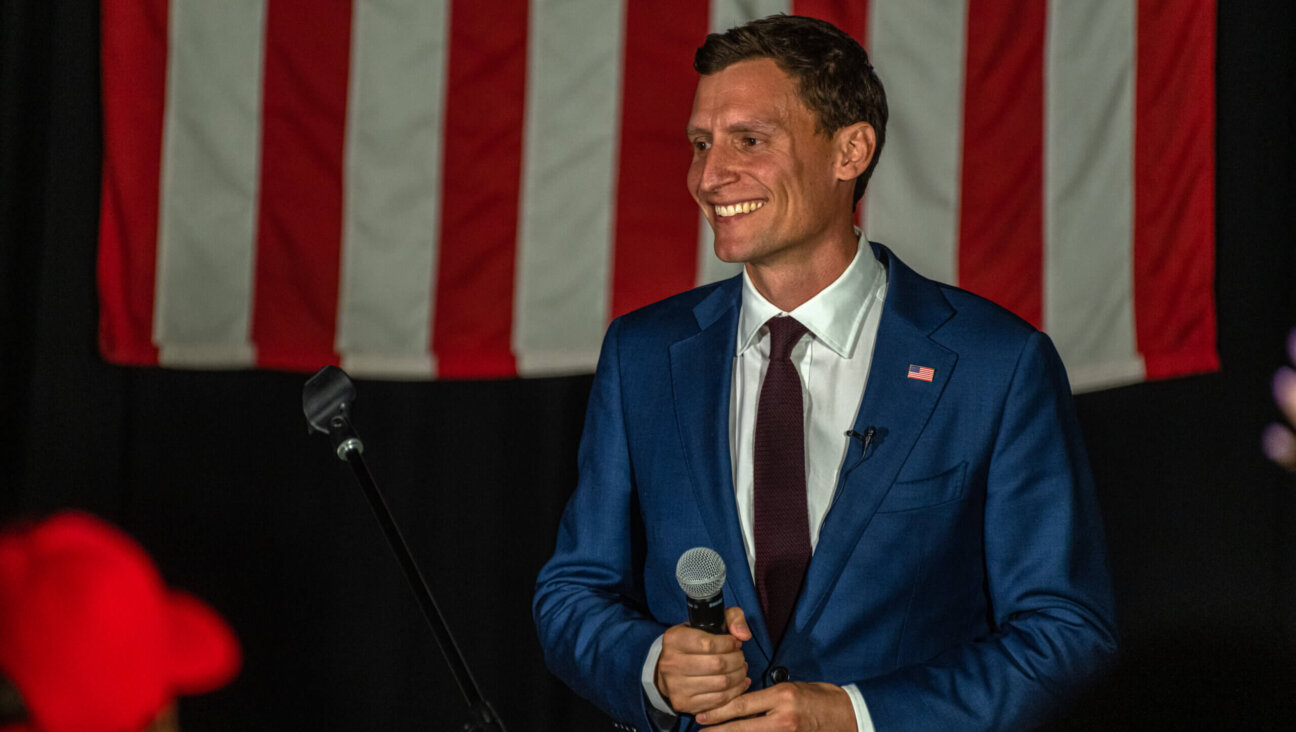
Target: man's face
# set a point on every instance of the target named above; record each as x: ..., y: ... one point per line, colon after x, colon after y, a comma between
x: 766, y: 181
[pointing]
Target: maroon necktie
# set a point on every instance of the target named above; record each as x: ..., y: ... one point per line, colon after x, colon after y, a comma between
x: 782, y: 525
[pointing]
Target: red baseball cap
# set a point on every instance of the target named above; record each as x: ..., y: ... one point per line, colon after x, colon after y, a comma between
x: 91, y: 636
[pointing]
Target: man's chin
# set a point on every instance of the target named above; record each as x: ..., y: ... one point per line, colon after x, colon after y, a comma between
x: 729, y: 251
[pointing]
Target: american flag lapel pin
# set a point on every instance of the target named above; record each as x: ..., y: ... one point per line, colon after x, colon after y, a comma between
x: 921, y: 373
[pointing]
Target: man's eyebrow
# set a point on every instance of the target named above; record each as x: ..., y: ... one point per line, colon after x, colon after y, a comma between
x: 753, y: 125
x: 738, y: 126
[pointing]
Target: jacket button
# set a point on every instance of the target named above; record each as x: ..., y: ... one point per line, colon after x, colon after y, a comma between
x: 778, y: 674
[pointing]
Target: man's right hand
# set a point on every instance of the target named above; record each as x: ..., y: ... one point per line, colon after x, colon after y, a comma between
x: 698, y: 671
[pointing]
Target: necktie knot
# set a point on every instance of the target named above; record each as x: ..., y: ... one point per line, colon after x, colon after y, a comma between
x: 784, y: 332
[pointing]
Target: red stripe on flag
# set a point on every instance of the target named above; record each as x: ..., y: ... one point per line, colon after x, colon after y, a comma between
x: 1001, y: 213
x: 481, y: 182
x: 851, y: 17
x: 657, y: 222
x: 134, y: 53
x: 1174, y: 174
x: 299, y: 231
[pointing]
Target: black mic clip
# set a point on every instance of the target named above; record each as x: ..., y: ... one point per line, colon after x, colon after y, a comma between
x: 326, y: 401
x: 865, y: 439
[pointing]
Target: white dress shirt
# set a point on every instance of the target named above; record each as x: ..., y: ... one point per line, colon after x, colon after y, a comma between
x: 833, y: 362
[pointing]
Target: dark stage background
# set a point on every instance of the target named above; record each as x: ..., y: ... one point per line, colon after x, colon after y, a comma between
x: 215, y: 474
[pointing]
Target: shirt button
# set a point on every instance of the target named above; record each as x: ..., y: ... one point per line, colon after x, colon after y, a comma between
x: 778, y: 675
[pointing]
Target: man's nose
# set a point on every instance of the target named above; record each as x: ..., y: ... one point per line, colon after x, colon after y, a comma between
x: 718, y: 168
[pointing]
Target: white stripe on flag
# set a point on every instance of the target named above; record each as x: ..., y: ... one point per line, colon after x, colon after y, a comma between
x: 913, y: 200
x: 569, y: 162
x: 1088, y: 190
x: 710, y: 268
x: 392, y: 187
x: 726, y: 14
x: 207, y: 207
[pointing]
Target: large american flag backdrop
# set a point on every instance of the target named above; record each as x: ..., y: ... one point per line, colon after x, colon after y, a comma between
x: 466, y: 189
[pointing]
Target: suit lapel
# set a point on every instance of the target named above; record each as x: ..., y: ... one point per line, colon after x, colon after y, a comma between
x: 897, y: 407
x: 701, y: 379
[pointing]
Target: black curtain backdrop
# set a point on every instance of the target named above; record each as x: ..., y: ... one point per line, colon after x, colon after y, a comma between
x: 215, y: 474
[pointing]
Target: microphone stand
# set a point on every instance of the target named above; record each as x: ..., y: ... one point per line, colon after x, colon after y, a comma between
x: 326, y: 400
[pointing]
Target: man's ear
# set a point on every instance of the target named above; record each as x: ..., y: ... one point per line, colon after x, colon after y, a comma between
x: 855, y: 147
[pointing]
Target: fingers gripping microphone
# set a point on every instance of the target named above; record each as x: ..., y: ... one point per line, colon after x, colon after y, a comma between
x: 701, y: 574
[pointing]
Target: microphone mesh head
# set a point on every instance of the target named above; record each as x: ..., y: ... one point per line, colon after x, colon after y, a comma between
x: 701, y: 573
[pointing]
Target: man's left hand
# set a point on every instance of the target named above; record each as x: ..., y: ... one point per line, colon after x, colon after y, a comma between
x: 1279, y: 440
x: 786, y: 707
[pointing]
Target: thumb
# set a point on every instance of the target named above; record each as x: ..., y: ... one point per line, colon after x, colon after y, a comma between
x: 736, y: 620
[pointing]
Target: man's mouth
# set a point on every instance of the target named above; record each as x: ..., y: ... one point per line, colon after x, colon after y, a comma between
x: 733, y: 209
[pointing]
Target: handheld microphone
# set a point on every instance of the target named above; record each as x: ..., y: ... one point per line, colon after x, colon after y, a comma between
x: 701, y: 574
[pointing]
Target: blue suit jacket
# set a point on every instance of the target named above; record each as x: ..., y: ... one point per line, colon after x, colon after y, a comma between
x: 960, y: 578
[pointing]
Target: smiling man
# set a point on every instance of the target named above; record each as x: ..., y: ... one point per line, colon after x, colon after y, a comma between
x: 889, y: 467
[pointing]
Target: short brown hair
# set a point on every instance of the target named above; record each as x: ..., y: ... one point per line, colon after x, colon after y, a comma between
x: 832, y: 71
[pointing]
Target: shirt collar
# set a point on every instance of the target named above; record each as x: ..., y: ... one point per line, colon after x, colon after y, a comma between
x: 833, y: 315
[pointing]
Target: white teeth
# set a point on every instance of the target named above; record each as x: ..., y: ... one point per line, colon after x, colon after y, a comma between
x: 737, y: 208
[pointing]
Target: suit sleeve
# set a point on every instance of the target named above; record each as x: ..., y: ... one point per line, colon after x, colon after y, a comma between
x: 589, y: 607
x: 1046, y: 575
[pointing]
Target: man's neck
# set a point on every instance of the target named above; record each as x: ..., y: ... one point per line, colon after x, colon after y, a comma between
x: 790, y: 282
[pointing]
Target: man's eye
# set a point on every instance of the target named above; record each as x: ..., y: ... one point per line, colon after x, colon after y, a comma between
x: 701, y: 145
x: 750, y: 141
